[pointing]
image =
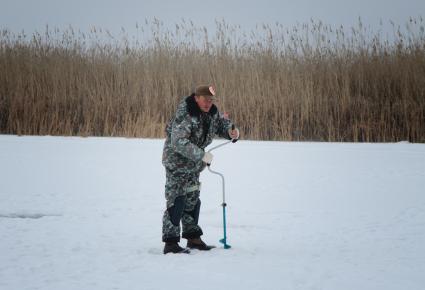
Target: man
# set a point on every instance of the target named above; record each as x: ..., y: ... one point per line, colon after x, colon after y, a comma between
x: 193, y: 127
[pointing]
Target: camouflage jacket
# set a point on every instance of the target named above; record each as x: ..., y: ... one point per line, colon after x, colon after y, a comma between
x: 187, y: 135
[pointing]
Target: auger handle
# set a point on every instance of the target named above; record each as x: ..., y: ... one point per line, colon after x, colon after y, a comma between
x: 218, y: 146
x: 234, y: 140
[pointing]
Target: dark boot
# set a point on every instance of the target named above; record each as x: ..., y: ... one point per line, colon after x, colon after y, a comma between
x: 198, y: 244
x: 173, y: 247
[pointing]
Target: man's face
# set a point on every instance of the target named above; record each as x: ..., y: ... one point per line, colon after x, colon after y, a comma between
x: 204, y: 102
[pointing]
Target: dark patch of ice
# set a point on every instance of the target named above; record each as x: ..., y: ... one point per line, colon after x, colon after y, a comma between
x: 26, y: 215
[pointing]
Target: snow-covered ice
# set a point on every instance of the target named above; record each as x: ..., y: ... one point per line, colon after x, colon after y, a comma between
x: 85, y: 213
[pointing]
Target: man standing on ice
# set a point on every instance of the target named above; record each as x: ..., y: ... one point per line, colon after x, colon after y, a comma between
x: 192, y: 128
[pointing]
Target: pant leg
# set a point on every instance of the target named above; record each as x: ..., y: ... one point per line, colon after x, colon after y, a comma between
x: 190, y: 218
x: 175, y: 195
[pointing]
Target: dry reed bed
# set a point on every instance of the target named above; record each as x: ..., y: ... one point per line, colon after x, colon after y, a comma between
x: 310, y: 82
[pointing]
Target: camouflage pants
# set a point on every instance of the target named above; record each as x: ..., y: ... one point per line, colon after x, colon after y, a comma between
x: 183, y: 205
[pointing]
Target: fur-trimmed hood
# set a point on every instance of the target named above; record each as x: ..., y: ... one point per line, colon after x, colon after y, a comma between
x: 193, y: 108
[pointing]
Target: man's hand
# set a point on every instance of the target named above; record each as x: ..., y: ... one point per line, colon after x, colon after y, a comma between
x: 208, y: 157
x: 234, y: 133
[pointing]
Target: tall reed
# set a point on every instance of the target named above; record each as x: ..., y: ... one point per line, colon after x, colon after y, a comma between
x: 308, y: 82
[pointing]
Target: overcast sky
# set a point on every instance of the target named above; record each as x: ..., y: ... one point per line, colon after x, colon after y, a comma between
x: 30, y: 15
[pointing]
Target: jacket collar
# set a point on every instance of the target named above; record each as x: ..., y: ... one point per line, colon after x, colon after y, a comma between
x: 193, y: 108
